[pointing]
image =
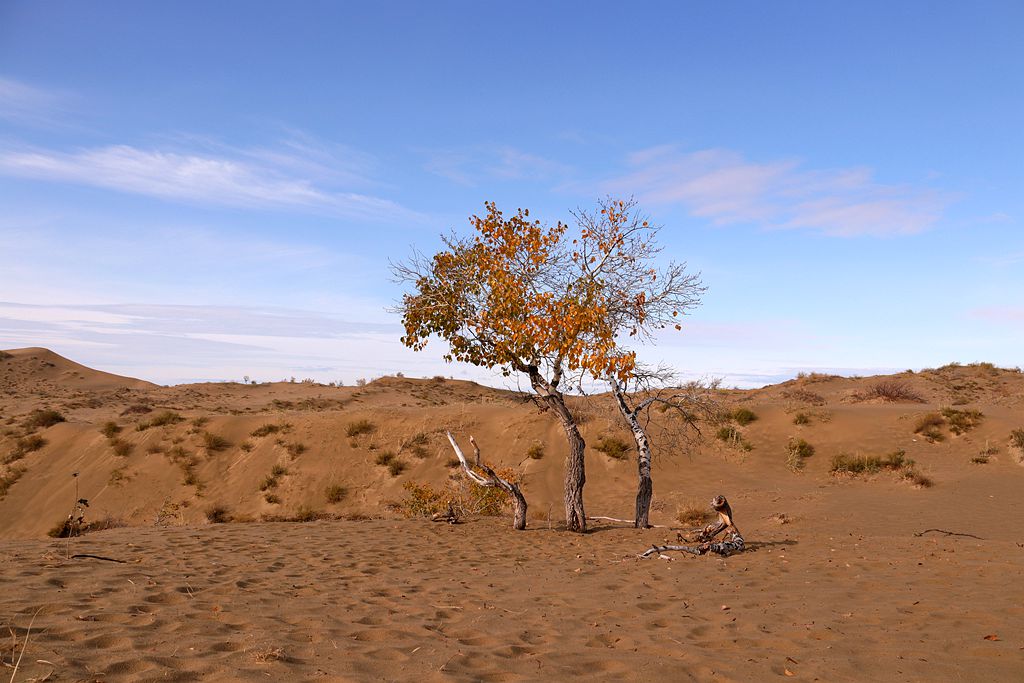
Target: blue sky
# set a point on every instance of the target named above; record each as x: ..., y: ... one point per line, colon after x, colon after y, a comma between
x: 198, y: 190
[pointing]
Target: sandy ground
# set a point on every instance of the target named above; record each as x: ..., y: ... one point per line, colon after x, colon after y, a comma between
x: 865, y: 578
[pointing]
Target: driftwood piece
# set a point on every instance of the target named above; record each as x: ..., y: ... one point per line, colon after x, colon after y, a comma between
x: 732, y: 542
x: 492, y: 480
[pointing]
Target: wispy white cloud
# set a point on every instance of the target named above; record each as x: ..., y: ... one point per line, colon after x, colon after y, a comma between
x: 287, y: 178
x: 485, y: 163
x: 25, y: 104
x: 726, y: 188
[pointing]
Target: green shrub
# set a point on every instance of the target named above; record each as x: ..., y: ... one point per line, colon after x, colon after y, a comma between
x: 42, y: 418
x: 928, y: 426
x: 743, y: 416
x: 360, y: 427
x: 335, y: 493
x: 613, y: 447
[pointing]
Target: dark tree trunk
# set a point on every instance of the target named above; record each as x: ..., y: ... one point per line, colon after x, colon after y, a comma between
x: 518, y: 508
x: 645, y: 486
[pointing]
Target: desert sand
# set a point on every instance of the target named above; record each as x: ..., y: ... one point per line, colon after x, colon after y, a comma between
x: 845, y: 578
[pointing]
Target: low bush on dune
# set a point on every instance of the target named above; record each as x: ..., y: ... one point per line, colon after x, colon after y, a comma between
x: 303, y: 514
x: 268, y: 429
x: 335, y: 493
x: 24, y: 446
x: 278, y: 471
x: 801, y: 419
x: 295, y: 449
x: 4, y: 355
x: 110, y: 429
x: 535, y: 452
x: 218, y: 514
x: 214, y: 443
x: 614, y: 447
x: 8, y: 479
x: 360, y: 427
x: 384, y: 458
x: 396, y: 467
x: 68, y: 528
x: 845, y: 464
x: 893, y: 391
x: 743, y: 416
x: 41, y: 418
x: 962, y: 421
x: 461, y: 496
x: 797, y: 451
x: 167, y: 417
x: 929, y: 426
x: 121, y: 447
x: 692, y: 514
x: 1017, y: 438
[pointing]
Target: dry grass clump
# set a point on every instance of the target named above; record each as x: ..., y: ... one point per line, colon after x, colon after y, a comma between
x: 961, y: 421
x: 460, y: 495
x: 358, y: 427
x: 929, y: 426
x: 613, y: 447
x: 271, y: 480
x: 733, y: 437
x: 8, y: 480
x: 214, y: 443
x: 303, y: 514
x: 396, y: 467
x: 163, y: 419
x: 121, y: 447
x: 268, y: 429
x: 136, y: 409
x: 110, y: 429
x: 246, y: 446
x: 801, y: 419
x: 797, y: 451
x: 1017, y: 439
x: 384, y: 458
x: 23, y: 446
x: 295, y: 449
x: 218, y: 514
x: 117, y: 477
x: 892, y: 390
x: 335, y: 493
x: 805, y: 396
x: 535, y: 452
x: 812, y: 377
x: 743, y: 416
x: 872, y: 464
x: 69, y: 528
x: 272, y: 498
x: 692, y: 514
x: 40, y: 418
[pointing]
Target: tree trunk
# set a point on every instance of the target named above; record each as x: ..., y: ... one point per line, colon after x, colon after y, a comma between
x: 518, y: 507
x: 645, y: 486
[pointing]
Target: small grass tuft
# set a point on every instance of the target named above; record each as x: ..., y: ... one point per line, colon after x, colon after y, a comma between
x: 218, y: 514
x: 110, y: 429
x: 214, y: 443
x: 961, y: 421
x: 929, y: 426
x: 163, y: 419
x: 1017, y: 439
x: 41, y: 418
x: 384, y: 458
x: 893, y: 391
x: 272, y: 498
x: 743, y: 416
x: 360, y: 427
x: 535, y: 452
x: 268, y: 429
x: 692, y: 514
x: 797, y: 452
x: 396, y: 467
x: 335, y: 493
x: 295, y: 449
x: 24, y: 446
x: 802, y: 419
x: 613, y: 447
x: 121, y: 447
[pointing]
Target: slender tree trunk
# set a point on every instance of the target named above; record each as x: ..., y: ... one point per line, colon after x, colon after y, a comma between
x: 645, y: 486
x: 518, y: 508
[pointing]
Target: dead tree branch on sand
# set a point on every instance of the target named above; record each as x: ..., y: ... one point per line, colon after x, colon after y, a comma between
x: 492, y: 480
x: 732, y: 542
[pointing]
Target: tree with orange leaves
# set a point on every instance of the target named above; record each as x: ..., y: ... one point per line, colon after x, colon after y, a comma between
x: 526, y: 298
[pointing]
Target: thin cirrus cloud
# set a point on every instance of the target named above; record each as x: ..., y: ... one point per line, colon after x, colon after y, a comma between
x: 725, y: 188
x: 470, y: 166
x: 25, y: 104
x: 261, y: 179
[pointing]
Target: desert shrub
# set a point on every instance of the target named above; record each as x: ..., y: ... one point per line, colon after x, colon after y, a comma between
x: 360, y: 427
x: 199, y: 422
x: 41, y: 418
x: 213, y: 442
x: 23, y: 446
x: 246, y: 446
x: 218, y: 514
x: 268, y: 429
x: 535, y: 452
x: 801, y: 419
x: 272, y: 498
x: 110, y: 429
x: 121, y: 447
x: 892, y: 390
x: 1017, y: 438
x: 8, y: 479
x: 727, y: 433
x: 743, y: 416
x: 278, y: 471
x: 167, y: 417
x: 295, y: 449
x: 692, y: 514
x: 384, y: 458
x: 117, y: 477
x: 361, y: 382
x: 845, y: 463
x: 797, y: 451
x: 805, y: 396
x: 335, y: 493
x: 980, y: 460
x: 396, y: 467
x: 269, y: 482
x: 613, y: 447
x: 462, y: 496
x: 69, y: 527
x: 961, y: 421
x: 136, y: 409
x: 928, y: 426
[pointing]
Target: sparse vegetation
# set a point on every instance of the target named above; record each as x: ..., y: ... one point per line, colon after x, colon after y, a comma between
x: 801, y: 419
x: 23, y: 446
x: 980, y: 459
x: 136, y: 409
x: 396, y: 467
x: 743, y: 416
x: 805, y: 396
x: 278, y: 471
x: 295, y: 449
x: 246, y: 446
x: 692, y: 514
x: 121, y: 447
x: 110, y: 429
x: 732, y: 436
x: 117, y: 477
x: 218, y: 514
x: 384, y: 458
x: 929, y: 426
x: 272, y: 498
x: 613, y: 447
x: 892, y: 390
x: 961, y: 421
x: 8, y: 480
x: 894, y: 462
x: 268, y: 429
x: 535, y: 452
x: 462, y: 496
x: 359, y: 427
x: 167, y: 417
x: 335, y: 493
x: 41, y: 418
x: 215, y: 443
x: 1017, y: 439
x: 797, y: 451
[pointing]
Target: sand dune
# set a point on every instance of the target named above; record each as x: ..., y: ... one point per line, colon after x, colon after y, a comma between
x: 846, y: 577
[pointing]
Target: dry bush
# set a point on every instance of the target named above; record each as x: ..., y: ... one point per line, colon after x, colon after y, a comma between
x: 802, y: 419
x: 892, y: 390
x: 213, y: 442
x: 871, y: 464
x: 40, y: 418
x: 929, y: 426
x: 278, y: 471
x: 68, y: 527
x: 117, y: 477
x: 268, y: 429
x: 295, y: 449
x: 24, y: 446
x: 961, y: 421
x: 797, y: 451
x: 218, y: 514
x: 360, y: 427
x: 163, y: 419
x: 461, y: 495
x: 335, y: 493
x: 121, y: 447
x: 613, y: 447
x: 303, y: 514
x: 7, y: 480
x: 110, y: 429
x: 732, y: 436
x: 804, y: 396
x: 136, y: 409
x: 692, y: 514
x: 246, y: 446
x: 1017, y: 439
x: 743, y: 416
x: 813, y: 377
x: 384, y: 458
x: 396, y: 467
x: 272, y: 498
x: 535, y: 452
